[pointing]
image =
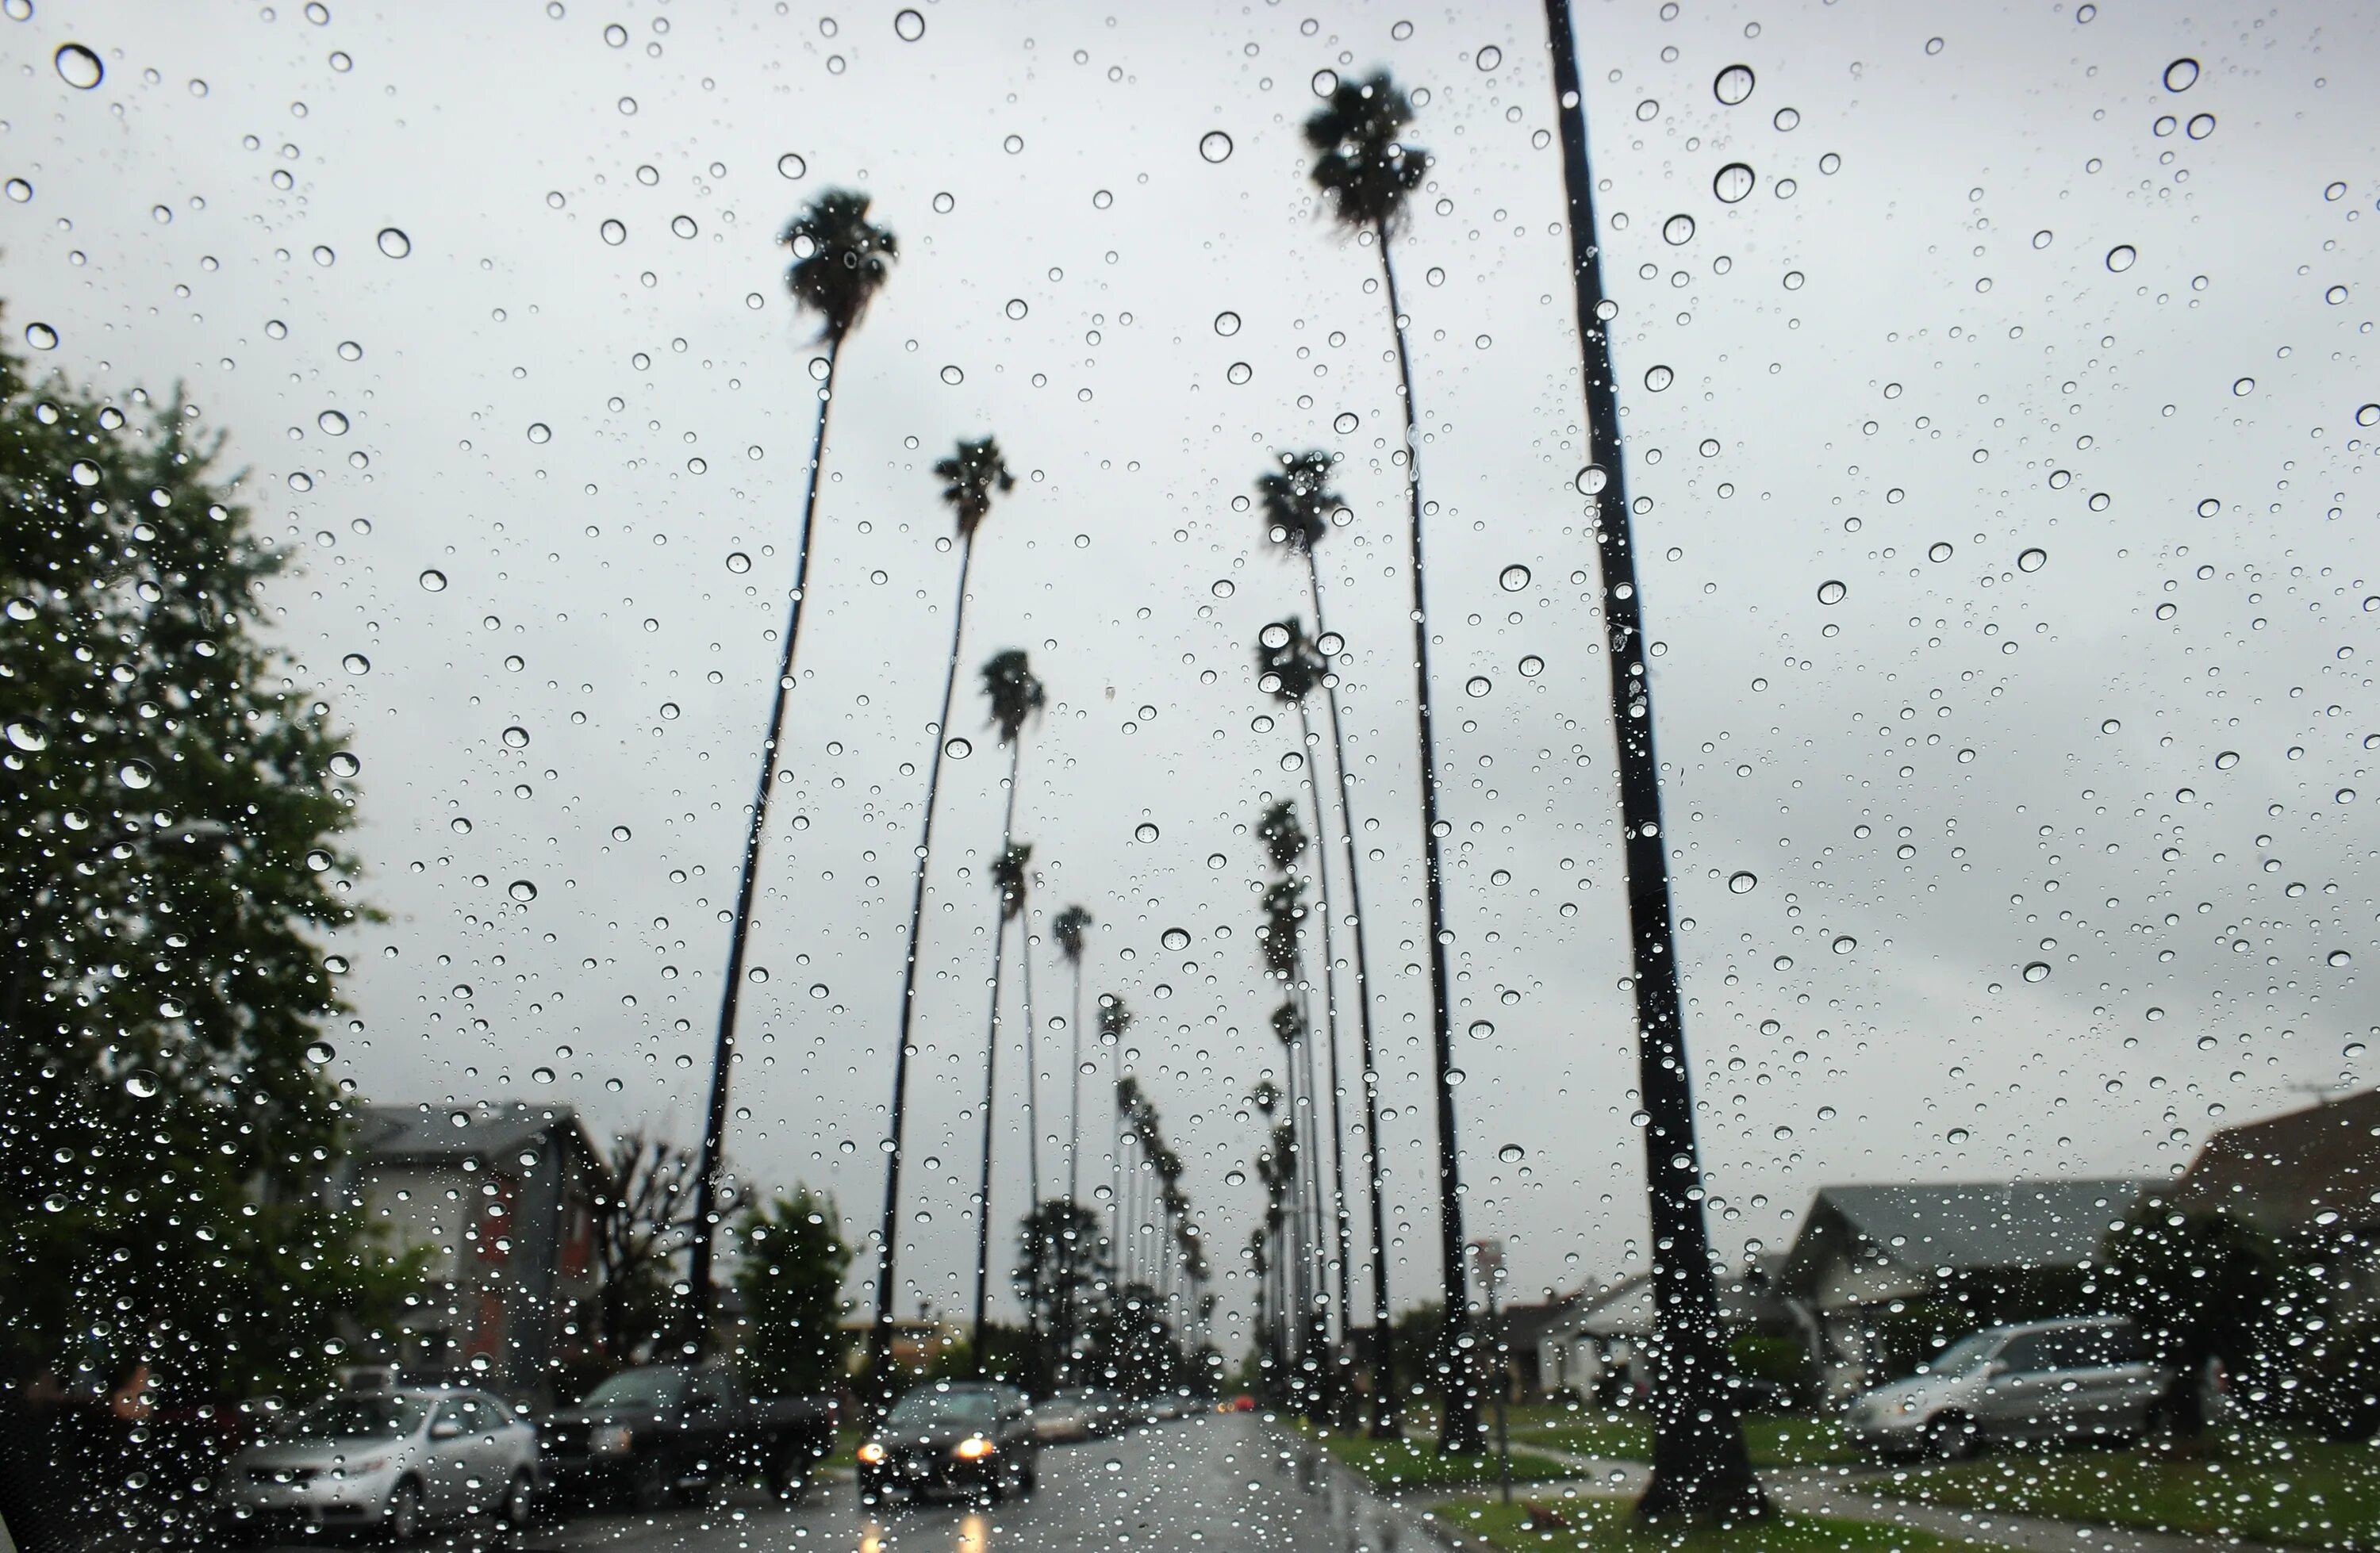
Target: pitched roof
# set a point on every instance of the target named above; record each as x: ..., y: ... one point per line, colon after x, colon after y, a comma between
x: 2287, y: 1171
x: 1970, y: 1226
x: 476, y: 1132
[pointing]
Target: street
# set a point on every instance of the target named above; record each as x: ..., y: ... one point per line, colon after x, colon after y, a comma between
x: 1208, y: 1482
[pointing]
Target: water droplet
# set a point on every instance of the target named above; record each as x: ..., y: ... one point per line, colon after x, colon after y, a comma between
x: 1215, y: 146
x: 1489, y: 57
x: 2340, y: 958
x: 1221, y: 588
x: 1532, y: 666
x: 1239, y: 371
x: 1832, y: 592
x: 19, y: 190
x: 1176, y: 938
x: 28, y: 736
x: 1592, y: 479
x: 356, y: 663
x: 1455, y: 1077
x: 1512, y: 1154
x: 332, y: 423
x: 1741, y: 882
x: 1678, y: 229
x: 1787, y: 119
x: 319, y: 861
x: 1481, y: 1029
x: 2242, y: 387
x: 738, y: 562
x: 1144, y: 832
x: 541, y: 1075
x: 521, y: 890
x: 954, y: 376
x: 2227, y: 759
x: 613, y: 232
x: 538, y: 432
x: 1958, y: 1134
x: 683, y: 225
x: 1330, y: 644
x: 78, y: 67
x: 957, y: 748
x: 908, y: 26
x: 2181, y: 74
x: 1227, y: 323
x: 1513, y: 579
x: 1733, y: 183
x: 2033, y: 560
x: 393, y: 242
x: 2200, y: 126
x: 515, y: 737
x: 2121, y: 257
x: 1346, y: 422
x: 2111, y: 726
x: 433, y: 581
x: 1658, y: 378
x: 790, y: 166
x: 1478, y: 685
x: 345, y: 765
x: 1844, y: 944
x: 319, y: 1052
x: 1733, y: 84
x: 2036, y: 971
x: 41, y: 336
x: 1324, y: 83
x: 142, y: 1086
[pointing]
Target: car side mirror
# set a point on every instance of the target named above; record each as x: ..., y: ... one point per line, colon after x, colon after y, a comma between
x: 445, y: 1428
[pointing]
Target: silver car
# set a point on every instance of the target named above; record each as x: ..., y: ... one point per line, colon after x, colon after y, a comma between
x: 2090, y: 1378
x: 390, y: 1461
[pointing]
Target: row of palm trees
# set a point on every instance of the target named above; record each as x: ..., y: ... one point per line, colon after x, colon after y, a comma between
x: 1368, y: 171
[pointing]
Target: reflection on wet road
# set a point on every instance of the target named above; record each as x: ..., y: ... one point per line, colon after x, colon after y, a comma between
x: 1205, y: 1485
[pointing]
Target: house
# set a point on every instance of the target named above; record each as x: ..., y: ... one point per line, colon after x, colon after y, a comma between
x: 1599, y: 1341
x: 501, y: 1200
x: 2310, y: 1176
x: 1879, y: 1275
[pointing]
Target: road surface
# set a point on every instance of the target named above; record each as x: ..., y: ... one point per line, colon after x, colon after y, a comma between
x: 1211, y: 1483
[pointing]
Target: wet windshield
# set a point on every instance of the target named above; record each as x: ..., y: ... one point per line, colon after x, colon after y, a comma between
x: 357, y: 1417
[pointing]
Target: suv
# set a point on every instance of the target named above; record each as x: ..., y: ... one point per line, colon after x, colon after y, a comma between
x: 2044, y: 1380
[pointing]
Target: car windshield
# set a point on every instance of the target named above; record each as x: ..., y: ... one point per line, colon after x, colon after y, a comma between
x: 929, y: 1410
x: 634, y: 1388
x: 1965, y: 1354
x: 355, y: 1418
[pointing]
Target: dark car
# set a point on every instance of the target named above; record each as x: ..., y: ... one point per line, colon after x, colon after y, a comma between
x: 946, y: 1439
x: 659, y: 1432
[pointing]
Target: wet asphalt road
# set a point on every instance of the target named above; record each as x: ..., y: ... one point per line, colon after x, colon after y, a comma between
x: 1211, y: 1484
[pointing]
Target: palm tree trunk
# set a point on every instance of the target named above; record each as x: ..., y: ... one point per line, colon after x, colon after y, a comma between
x: 1330, y: 1031
x: 880, y: 1338
x: 983, y: 1188
x: 1033, y: 1376
x: 722, y: 1054
x: 1075, y: 1093
x: 1700, y: 1470
x: 1387, y: 1422
x: 1318, y: 1315
x: 1459, y: 1430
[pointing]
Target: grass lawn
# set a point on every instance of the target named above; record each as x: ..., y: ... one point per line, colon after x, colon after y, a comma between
x: 1407, y: 1467
x: 1602, y: 1525
x: 2261, y: 1486
x: 1774, y: 1440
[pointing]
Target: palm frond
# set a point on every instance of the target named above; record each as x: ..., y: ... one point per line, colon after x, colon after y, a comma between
x: 841, y: 259
x: 1297, y: 502
x: 970, y: 477
x: 1364, y: 164
x: 1017, y: 696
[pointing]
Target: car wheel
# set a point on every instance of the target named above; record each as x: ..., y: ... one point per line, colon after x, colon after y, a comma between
x: 650, y: 1486
x: 519, y: 1506
x: 401, y: 1520
x: 1951, y: 1438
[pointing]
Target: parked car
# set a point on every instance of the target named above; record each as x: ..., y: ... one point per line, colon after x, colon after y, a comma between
x: 974, y: 1439
x: 391, y: 1462
x: 2044, y: 1380
x: 1062, y: 1420
x: 659, y: 1432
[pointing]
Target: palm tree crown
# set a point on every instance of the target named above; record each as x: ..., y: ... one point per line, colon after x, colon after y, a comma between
x: 1008, y: 877
x: 1114, y: 1018
x: 1068, y: 931
x: 969, y: 478
x: 1287, y: 666
x: 1297, y: 499
x: 1285, y: 906
x: 1284, y: 837
x: 1365, y: 168
x: 839, y: 259
x: 1017, y: 696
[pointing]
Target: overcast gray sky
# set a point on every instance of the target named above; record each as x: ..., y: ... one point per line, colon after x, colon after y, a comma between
x: 1996, y: 289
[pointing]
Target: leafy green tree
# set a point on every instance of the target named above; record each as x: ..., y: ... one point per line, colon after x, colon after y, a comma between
x: 170, y: 870
x: 2201, y: 1286
x: 1061, y: 1267
x: 791, y: 1276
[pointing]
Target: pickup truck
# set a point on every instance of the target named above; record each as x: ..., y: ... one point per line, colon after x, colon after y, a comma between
x: 662, y: 1432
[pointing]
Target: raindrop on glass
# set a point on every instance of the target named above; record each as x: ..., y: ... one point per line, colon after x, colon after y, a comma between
x: 908, y: 26
x: 2037, y: 970
x: 41, y: 336
x: 78, y: 67
x: 1678, y: 229
x: 1741, y: 882
x: 1215, y: 146
x: 1489, y: 57
x: 2033, y: 560
x: 613, y: 232
x: 521, y: 890
x: 538, y: 432
x: 433, y: 581
x: 1532, y: 666
x: 1733, y: 84
x: 1844, y: 944
x: 1513, y: 579
x: 958, y: 748
x: 2181, y: 74
x: 356, y: 663
x: 1478, y: 685
x: 791, y: 166
x: 1239, y: 371
x: 1176, y: 938
x: 1831, y: 591
x: 1657, y: 379
x: 1227, y: 323
x: 1733, y: 183
x: 2121, y: 257
x: 1512, y: 1154
x: 394, y: 243
x: 1144, y: 832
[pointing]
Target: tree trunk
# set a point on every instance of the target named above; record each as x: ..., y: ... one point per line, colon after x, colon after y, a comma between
x: 722, y: 1055
x: 1330, y: 1033
x: 1701, y: 1471
x: 1459, y: 1430
x: 991, y: 1061
x: 880, y: 1338
x: 1387, y: 1414
x: 1034, y: 1379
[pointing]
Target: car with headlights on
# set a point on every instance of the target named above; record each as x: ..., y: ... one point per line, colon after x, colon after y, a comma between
x: 2086, y: 1378
x: 951, y: 1439
x: 390, y: 1461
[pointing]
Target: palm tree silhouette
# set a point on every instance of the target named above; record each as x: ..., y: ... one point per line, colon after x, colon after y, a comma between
x: 1068, y: 930
x: 1016, y: 697
x: 1367, y: 170
x: 1288, y: 668
x: 970, y: 477
x: 1700, y: 1470
x: 840, y: 263
x: 1008, y: 882
x: 1114, y: 1020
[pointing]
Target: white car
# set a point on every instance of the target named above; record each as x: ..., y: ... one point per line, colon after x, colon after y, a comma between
x: 2078, y: 1379
x: 390, y: 1461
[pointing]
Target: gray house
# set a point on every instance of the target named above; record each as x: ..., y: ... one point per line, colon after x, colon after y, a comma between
x: 1879, y: 1276
x: 500, y: 1198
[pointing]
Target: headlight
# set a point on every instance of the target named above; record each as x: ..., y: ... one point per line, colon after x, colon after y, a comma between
x: 612, y: 1441
x: 974, y: 1449
x: 872, y: 1453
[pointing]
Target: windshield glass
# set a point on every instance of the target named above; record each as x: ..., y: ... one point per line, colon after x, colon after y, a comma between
x: 355, y: 1417
x: 634, y: 1388
x: 927, y: 1410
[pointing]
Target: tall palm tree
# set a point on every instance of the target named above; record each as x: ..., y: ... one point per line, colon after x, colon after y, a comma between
x: 1288, y: 668
x: 970, y: 477
x: 1700, y: 1467
x: 840, y: 263
x: 1069, y: 928
x: 1299, y: 507
x: 1016, y: 697
x: 1367, y: 171
x: 1114, y: 1020
x: 1008, y: 883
